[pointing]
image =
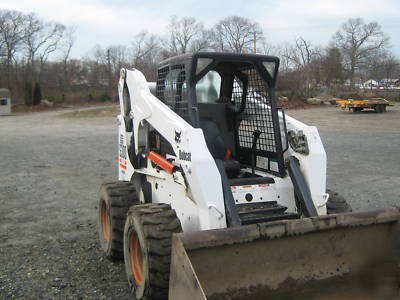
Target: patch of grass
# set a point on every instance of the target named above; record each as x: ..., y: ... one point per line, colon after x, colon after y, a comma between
x: 101, y: 112
x: 81, y: 96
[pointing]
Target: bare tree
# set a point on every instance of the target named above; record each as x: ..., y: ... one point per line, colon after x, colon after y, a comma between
x: 358, y: 41
x: 26, y: 43
x: 302, y: 53
x: 236, y: 34
x: 383, y: 66
x: 11, y: 35
x: 41, y: 39
x: 183, y: 33
x: 97, y: 67
x: 146, y: 53
x: 53, y: 34
x: 267, y: 48
x: 3, y: 50
x: 144, y: 46
x: 33, y: 28
x: 283, y: 52
x: 202, y: 42
x: 66, y: 44
x: 119, y: 58
x: 303, y: 56
x: 391, y: 67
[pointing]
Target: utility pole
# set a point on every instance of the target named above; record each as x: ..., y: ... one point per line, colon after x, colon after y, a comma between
x: 254, y: 42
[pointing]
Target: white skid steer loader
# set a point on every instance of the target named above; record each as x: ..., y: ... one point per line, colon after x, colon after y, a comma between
x: 222, y: 196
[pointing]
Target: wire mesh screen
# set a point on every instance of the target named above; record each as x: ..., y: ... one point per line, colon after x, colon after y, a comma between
x: 171, y: 88
x: 160, y: 85
x: 257, y: 116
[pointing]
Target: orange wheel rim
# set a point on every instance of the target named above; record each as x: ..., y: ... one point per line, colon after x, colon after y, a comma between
x: 105, y: 221
x: 136, y: 258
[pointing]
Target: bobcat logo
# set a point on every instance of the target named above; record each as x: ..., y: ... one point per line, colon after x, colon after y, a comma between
x: 178, y: 136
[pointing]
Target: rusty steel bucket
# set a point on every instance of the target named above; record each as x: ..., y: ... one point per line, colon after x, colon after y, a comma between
x: 346, y: 256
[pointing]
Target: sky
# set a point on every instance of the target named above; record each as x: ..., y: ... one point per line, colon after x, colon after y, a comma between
x: 116, y: 22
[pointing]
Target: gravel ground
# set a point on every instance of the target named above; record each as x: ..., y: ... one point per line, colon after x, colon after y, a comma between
x: 51, y: 169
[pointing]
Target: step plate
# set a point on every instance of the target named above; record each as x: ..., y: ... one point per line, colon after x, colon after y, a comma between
x: 252, y: 213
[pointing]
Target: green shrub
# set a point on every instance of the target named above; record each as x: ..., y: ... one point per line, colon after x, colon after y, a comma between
x: 37, y: 94
x: 104, y: 97
x: 28, y: 94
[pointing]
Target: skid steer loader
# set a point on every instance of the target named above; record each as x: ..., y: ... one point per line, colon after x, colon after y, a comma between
x: 222, y: 196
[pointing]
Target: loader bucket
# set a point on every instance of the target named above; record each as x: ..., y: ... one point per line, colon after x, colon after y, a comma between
x: 348, y: 256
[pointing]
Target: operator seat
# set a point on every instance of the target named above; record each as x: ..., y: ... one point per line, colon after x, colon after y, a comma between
x: 218, y: 148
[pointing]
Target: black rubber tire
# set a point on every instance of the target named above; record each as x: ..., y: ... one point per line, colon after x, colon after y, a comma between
x: 114, y: 202
x: 337, y: 204
x: 153, y: 226
x: 379, y: 108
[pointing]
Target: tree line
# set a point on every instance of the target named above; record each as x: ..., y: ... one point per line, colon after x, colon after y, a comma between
x: 35, y: 55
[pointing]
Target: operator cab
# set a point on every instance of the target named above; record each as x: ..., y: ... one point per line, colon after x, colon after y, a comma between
x: 231, y: 97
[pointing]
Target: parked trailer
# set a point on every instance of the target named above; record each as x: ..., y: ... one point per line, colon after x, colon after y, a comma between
x: 377, y: 104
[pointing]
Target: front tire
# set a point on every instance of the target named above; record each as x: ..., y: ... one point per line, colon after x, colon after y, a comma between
x: 114, y: 202
x: 147, y: 249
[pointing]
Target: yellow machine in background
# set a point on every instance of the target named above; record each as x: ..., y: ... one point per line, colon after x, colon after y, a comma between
x: 377, y: 104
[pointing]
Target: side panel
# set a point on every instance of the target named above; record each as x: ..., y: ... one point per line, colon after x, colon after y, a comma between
x: 168, y: 190
x: 313, y: 165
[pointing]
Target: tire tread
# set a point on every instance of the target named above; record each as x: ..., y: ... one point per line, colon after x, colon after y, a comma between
x: 159, y: 222
x: 121, y: 196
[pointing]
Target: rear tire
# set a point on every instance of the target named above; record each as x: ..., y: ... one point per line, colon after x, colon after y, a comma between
x: 114, y: 202
x: 147, y: 249
x: 337, y: 204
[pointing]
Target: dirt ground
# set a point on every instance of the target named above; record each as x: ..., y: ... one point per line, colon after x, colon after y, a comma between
x: 51, y: 168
